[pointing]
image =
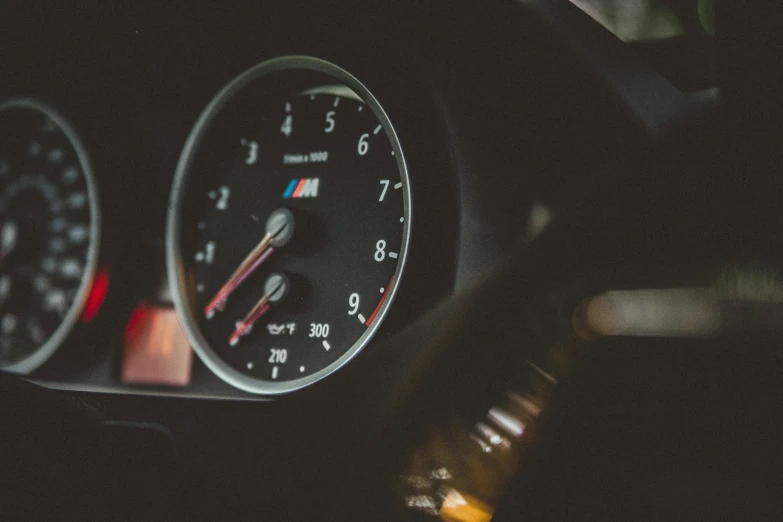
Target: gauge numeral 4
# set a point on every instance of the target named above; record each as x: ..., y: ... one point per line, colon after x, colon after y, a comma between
x: 288, y: 125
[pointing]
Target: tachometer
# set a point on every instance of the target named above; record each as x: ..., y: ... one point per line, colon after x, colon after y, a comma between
x: 49, y: 232
x: 288, y: 225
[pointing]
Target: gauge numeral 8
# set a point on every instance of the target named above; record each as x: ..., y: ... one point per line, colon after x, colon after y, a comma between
x: 380, y: 250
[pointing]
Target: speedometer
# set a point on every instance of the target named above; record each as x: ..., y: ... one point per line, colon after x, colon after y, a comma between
x: 288, y: 225
x: 49, y: 232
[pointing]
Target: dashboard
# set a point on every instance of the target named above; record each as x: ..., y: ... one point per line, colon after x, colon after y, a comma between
x: 371, y: 261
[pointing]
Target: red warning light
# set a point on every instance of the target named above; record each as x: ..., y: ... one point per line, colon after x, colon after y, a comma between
x: 100, y: 287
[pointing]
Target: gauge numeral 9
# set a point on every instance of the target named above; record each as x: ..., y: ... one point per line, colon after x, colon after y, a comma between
x: 353, y: 301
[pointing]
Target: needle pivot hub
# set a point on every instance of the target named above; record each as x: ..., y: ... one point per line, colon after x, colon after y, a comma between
x: 280, y: 226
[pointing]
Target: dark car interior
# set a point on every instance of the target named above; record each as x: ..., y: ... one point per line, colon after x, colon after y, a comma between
x: 405, y: 261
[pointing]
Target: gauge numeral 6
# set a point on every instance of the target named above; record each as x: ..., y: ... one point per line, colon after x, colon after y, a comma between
x: 363, y: 146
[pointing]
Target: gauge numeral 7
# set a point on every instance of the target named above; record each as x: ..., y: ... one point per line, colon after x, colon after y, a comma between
x: 385, y: 183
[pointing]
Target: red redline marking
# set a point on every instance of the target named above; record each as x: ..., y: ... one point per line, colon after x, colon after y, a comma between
x: 100, y: 287
x: 378, y: 308
x: 299, y: 188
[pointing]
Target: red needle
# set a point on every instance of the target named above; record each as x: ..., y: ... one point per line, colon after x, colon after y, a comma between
x: 244, y: 326
x: 257, y: 256
x: 275, y: 290
x: 279, y: 229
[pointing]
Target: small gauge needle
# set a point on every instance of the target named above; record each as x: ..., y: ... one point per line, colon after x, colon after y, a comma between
x: 279, y: 230
x: 8, y: 239
x: 275, y: 290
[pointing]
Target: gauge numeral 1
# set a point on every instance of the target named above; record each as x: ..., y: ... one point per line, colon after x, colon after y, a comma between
x: 208, y: 255
x: 353, y: 301
x: 380, y: 250
x: 385, y: 183
x: 363, y: 146
x: 329, y: 122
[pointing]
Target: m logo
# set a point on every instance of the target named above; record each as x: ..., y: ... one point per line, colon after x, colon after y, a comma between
x: 301, y: 188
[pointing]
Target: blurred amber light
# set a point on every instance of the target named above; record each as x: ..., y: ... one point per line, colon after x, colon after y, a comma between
x: 155, y: 350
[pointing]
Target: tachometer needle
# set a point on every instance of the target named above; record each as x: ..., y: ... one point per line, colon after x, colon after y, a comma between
x: 275, y: 290
x: 279, y: 230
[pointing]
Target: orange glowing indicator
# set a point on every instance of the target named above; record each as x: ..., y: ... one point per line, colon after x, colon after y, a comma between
x: 155, y: 350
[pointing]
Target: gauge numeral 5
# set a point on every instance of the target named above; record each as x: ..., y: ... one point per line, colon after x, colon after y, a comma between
x: 329, y: 122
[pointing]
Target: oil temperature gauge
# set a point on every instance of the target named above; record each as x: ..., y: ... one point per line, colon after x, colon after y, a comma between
x: 49, y: 232
x: 288, y: 225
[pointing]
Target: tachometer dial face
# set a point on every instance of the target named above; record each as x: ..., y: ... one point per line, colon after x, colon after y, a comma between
x: 49, y: 232
x: 288, y: 225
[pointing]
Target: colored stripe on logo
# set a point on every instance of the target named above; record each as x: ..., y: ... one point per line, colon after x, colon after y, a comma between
x: 299, y: 187
x: 290, y: 188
